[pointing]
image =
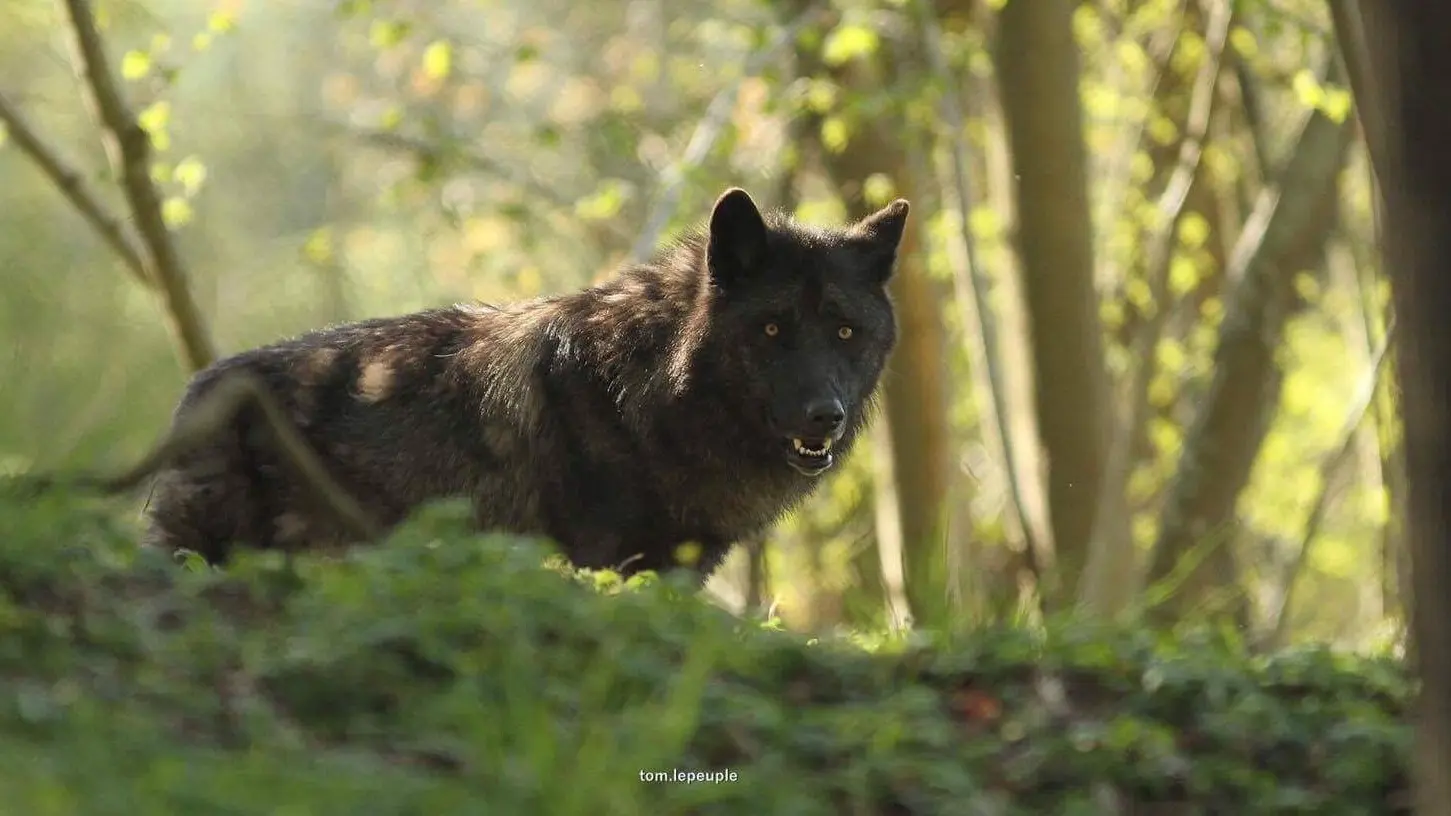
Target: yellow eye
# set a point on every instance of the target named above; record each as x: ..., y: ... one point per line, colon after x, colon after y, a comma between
x: 772, y: 330
x: 844, y: 332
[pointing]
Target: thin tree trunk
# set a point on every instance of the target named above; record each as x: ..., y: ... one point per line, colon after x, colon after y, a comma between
x: 1020, y: 425
x: 917, y: 398
x: 889, y: 553
x: 914, y: 386
x: 129, y: 147
x: 1038, y: 71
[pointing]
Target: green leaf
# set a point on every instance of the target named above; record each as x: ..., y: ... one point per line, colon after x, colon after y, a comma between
x: 220, y: 22
x: 135, y: 65
x: 155, y: 116
x: 1336, y: 104
x: 319, y: 246
x: 1307, y: 88
x: 849, y: 42
x: 985, y: 223
x: 176, y: 212
x: 1193, y: 230
x: 878, y: 189
x: 820, y: 95
x: 1183, y: 275
x: 1242, y: 40
x: 153, y: 120
x: 191, y: 174
x: 352, y: 8
x: 387, y: 33
x: 438, y: 59
x: 834, y: 134
x: 604, y: 203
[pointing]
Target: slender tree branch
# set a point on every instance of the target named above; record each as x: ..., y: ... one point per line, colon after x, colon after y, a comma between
x: 132, y: 145
x: 202, y: 423
x: 717, y: 114
x: 1359, y: 405
x: 73, y: 186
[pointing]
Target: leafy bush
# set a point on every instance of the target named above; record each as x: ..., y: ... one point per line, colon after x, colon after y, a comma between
x: 453, y: 673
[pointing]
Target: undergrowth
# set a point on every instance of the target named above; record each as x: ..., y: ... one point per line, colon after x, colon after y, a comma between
x: 445, y: 672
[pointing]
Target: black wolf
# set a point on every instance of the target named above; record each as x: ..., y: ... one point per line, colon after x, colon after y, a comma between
x: 693, y: 399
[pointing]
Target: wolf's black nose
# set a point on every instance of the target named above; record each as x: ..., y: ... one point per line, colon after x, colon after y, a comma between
x: 824, y: 416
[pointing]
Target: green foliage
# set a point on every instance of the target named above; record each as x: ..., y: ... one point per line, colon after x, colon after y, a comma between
x: 444, y: 670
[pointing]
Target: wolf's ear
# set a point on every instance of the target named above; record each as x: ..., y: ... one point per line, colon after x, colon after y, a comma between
x: 879, y: 234
x: 737, y: 237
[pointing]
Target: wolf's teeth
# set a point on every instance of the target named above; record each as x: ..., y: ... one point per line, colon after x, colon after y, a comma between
x: 803, y: 450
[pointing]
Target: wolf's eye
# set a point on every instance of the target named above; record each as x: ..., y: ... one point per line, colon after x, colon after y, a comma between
x: 772, y: 330
x: 844, y: 332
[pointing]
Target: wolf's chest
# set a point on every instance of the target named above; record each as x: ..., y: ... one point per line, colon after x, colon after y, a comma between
x: 737, y: 505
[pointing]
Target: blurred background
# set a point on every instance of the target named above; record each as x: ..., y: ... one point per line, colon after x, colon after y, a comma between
x: 1141, y: 303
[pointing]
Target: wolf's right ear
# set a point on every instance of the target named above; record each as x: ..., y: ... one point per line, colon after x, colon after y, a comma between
x: 737, y: 237
x: 880, y: 234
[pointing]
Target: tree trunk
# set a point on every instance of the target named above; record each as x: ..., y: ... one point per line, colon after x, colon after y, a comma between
x: 915, y: 384
x: 1408, y: 49
x: 1289, y: 222
x: 917, y: 422
x: 1038, y: 72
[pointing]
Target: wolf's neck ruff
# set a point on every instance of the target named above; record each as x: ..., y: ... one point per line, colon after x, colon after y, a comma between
x: 691, y: 398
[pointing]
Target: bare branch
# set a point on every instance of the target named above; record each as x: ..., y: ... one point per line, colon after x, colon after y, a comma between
x: 73, y: 186
x: 717, y: 114
x: 132, y: 145
x: 1360, y: 404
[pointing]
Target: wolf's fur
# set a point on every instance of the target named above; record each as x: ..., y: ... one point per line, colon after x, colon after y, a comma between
x: 623, y: 420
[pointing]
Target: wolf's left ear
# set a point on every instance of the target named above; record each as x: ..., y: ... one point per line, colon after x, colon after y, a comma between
x: 879, y: 235
x: 737, y: 243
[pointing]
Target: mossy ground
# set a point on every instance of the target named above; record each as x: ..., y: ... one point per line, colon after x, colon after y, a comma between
x: 451, y: 673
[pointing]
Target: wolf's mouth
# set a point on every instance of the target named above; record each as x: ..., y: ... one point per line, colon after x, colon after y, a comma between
x: 810, y: 456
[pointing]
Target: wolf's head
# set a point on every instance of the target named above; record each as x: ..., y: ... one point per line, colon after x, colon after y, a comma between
x: 800, y: 322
